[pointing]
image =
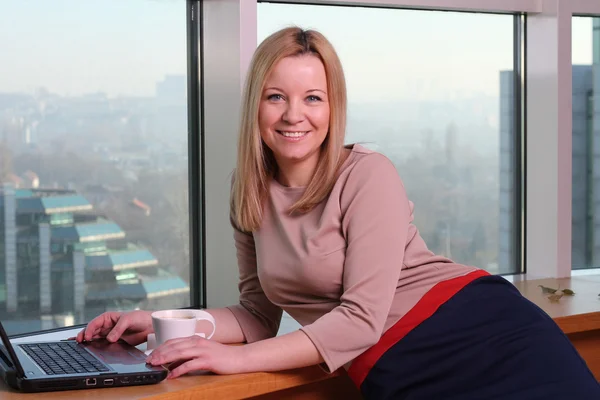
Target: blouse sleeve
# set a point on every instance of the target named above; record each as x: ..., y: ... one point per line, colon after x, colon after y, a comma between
x: 258, y: 318
x: 375, y: 220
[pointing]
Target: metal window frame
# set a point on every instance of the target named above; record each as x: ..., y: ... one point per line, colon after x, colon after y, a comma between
x: 520, y: 132
x: 195, y: 153
x: 487, y: 6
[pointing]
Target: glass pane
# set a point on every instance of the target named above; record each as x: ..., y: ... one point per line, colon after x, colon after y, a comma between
x: 432, y: 107
x: 586, y: 153
x: 93, y: 160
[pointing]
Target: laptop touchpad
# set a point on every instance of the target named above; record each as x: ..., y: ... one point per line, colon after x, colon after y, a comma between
x: 120, y: 356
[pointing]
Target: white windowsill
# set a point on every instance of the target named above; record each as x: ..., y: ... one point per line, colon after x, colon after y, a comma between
x: 586, y: 272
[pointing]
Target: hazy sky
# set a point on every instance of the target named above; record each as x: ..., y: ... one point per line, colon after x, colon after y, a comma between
x: 421, y: 55
x: 582, y: 40
x: 78, y: 46
x: 126, y: 46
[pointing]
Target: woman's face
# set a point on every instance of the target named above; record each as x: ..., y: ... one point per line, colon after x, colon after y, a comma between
x: 293, y: 114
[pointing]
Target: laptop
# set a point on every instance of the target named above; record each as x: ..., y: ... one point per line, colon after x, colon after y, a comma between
x: 68, y: 365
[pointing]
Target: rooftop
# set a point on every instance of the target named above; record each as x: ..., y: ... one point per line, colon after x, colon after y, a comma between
x: 118, y: 260
x: 50, y: 205
x: 88, y: 232
x: 145, y: 288
x: 48, y: 201
x: 115, y: 260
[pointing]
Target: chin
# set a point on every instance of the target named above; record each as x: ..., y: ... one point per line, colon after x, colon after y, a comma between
x: 296, y: 156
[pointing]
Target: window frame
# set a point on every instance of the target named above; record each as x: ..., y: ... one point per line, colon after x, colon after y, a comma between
x: 488, y: 6
x: 196, y: 153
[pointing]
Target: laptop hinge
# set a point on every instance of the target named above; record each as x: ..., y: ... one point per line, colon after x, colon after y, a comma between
x: 10, y: 374
x: 5, y: 358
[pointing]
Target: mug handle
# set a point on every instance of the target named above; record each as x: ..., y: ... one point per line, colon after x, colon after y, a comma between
x: 205, y: 316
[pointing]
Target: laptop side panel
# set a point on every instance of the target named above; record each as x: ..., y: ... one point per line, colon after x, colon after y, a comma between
x: 105, y: 380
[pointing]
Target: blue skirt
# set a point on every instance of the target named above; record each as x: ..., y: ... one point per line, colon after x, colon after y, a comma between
x: 474, y: 338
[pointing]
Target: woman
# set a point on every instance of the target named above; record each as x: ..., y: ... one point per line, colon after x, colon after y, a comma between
x: 325, y: 232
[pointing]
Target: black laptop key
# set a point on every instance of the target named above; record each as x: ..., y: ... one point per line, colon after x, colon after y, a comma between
x: 63, y: 358
x: 89, y: 357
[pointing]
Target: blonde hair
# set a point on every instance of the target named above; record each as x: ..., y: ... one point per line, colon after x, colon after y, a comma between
x: 255, y: 161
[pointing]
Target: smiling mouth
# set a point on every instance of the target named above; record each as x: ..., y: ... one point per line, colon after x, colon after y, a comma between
x: 293, y: 134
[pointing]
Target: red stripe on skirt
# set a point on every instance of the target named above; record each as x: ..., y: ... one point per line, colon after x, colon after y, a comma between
x: 429, y: 303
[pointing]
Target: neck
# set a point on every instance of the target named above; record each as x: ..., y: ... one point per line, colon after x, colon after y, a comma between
x: 296, y: 174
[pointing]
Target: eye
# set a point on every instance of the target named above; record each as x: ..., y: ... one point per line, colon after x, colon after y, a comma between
x: 275, y: 97
x: 313, y: 98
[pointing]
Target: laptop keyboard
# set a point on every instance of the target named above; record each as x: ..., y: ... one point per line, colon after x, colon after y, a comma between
x: 63, y: 358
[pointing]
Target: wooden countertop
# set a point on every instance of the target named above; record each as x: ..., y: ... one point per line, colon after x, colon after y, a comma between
x: 578, y: 313
x: 201, y: 386
x: 573, y: 314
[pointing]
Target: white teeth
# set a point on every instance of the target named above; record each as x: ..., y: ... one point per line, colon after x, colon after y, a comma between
x: 293, y: 134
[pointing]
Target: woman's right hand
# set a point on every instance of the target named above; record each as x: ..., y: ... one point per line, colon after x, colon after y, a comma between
x: 133, y: 327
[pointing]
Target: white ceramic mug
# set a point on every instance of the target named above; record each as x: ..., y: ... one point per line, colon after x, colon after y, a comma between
x: 172, y: 324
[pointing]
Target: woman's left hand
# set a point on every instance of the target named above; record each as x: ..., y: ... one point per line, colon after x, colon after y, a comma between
x: 196, y: 353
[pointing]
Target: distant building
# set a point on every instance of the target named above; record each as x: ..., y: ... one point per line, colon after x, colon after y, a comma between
x: 507, y: 222
x: 167, y: 124
x: 172, y: 90
x: 140, y: 205
x: 58, y: 258
x: 594, y: 121
x: 583, y: 253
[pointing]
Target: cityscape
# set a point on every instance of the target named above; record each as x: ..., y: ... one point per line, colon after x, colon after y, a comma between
x: 93, y: 205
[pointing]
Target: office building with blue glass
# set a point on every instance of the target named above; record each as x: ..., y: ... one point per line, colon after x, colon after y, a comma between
x: 58, y: 257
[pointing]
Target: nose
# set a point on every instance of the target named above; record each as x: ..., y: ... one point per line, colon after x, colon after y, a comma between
x: 293, y: 113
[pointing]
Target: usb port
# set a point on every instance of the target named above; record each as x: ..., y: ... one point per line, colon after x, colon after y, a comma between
x: 125, y: 379
x: 90, y: 382
x: 109, y: 382
x: 138, y: 379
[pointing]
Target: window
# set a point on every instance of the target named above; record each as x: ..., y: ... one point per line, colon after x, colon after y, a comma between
x: 442, y: 111
x: 93, y: 158
x: 61, y: 218
x: 585, y: 226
